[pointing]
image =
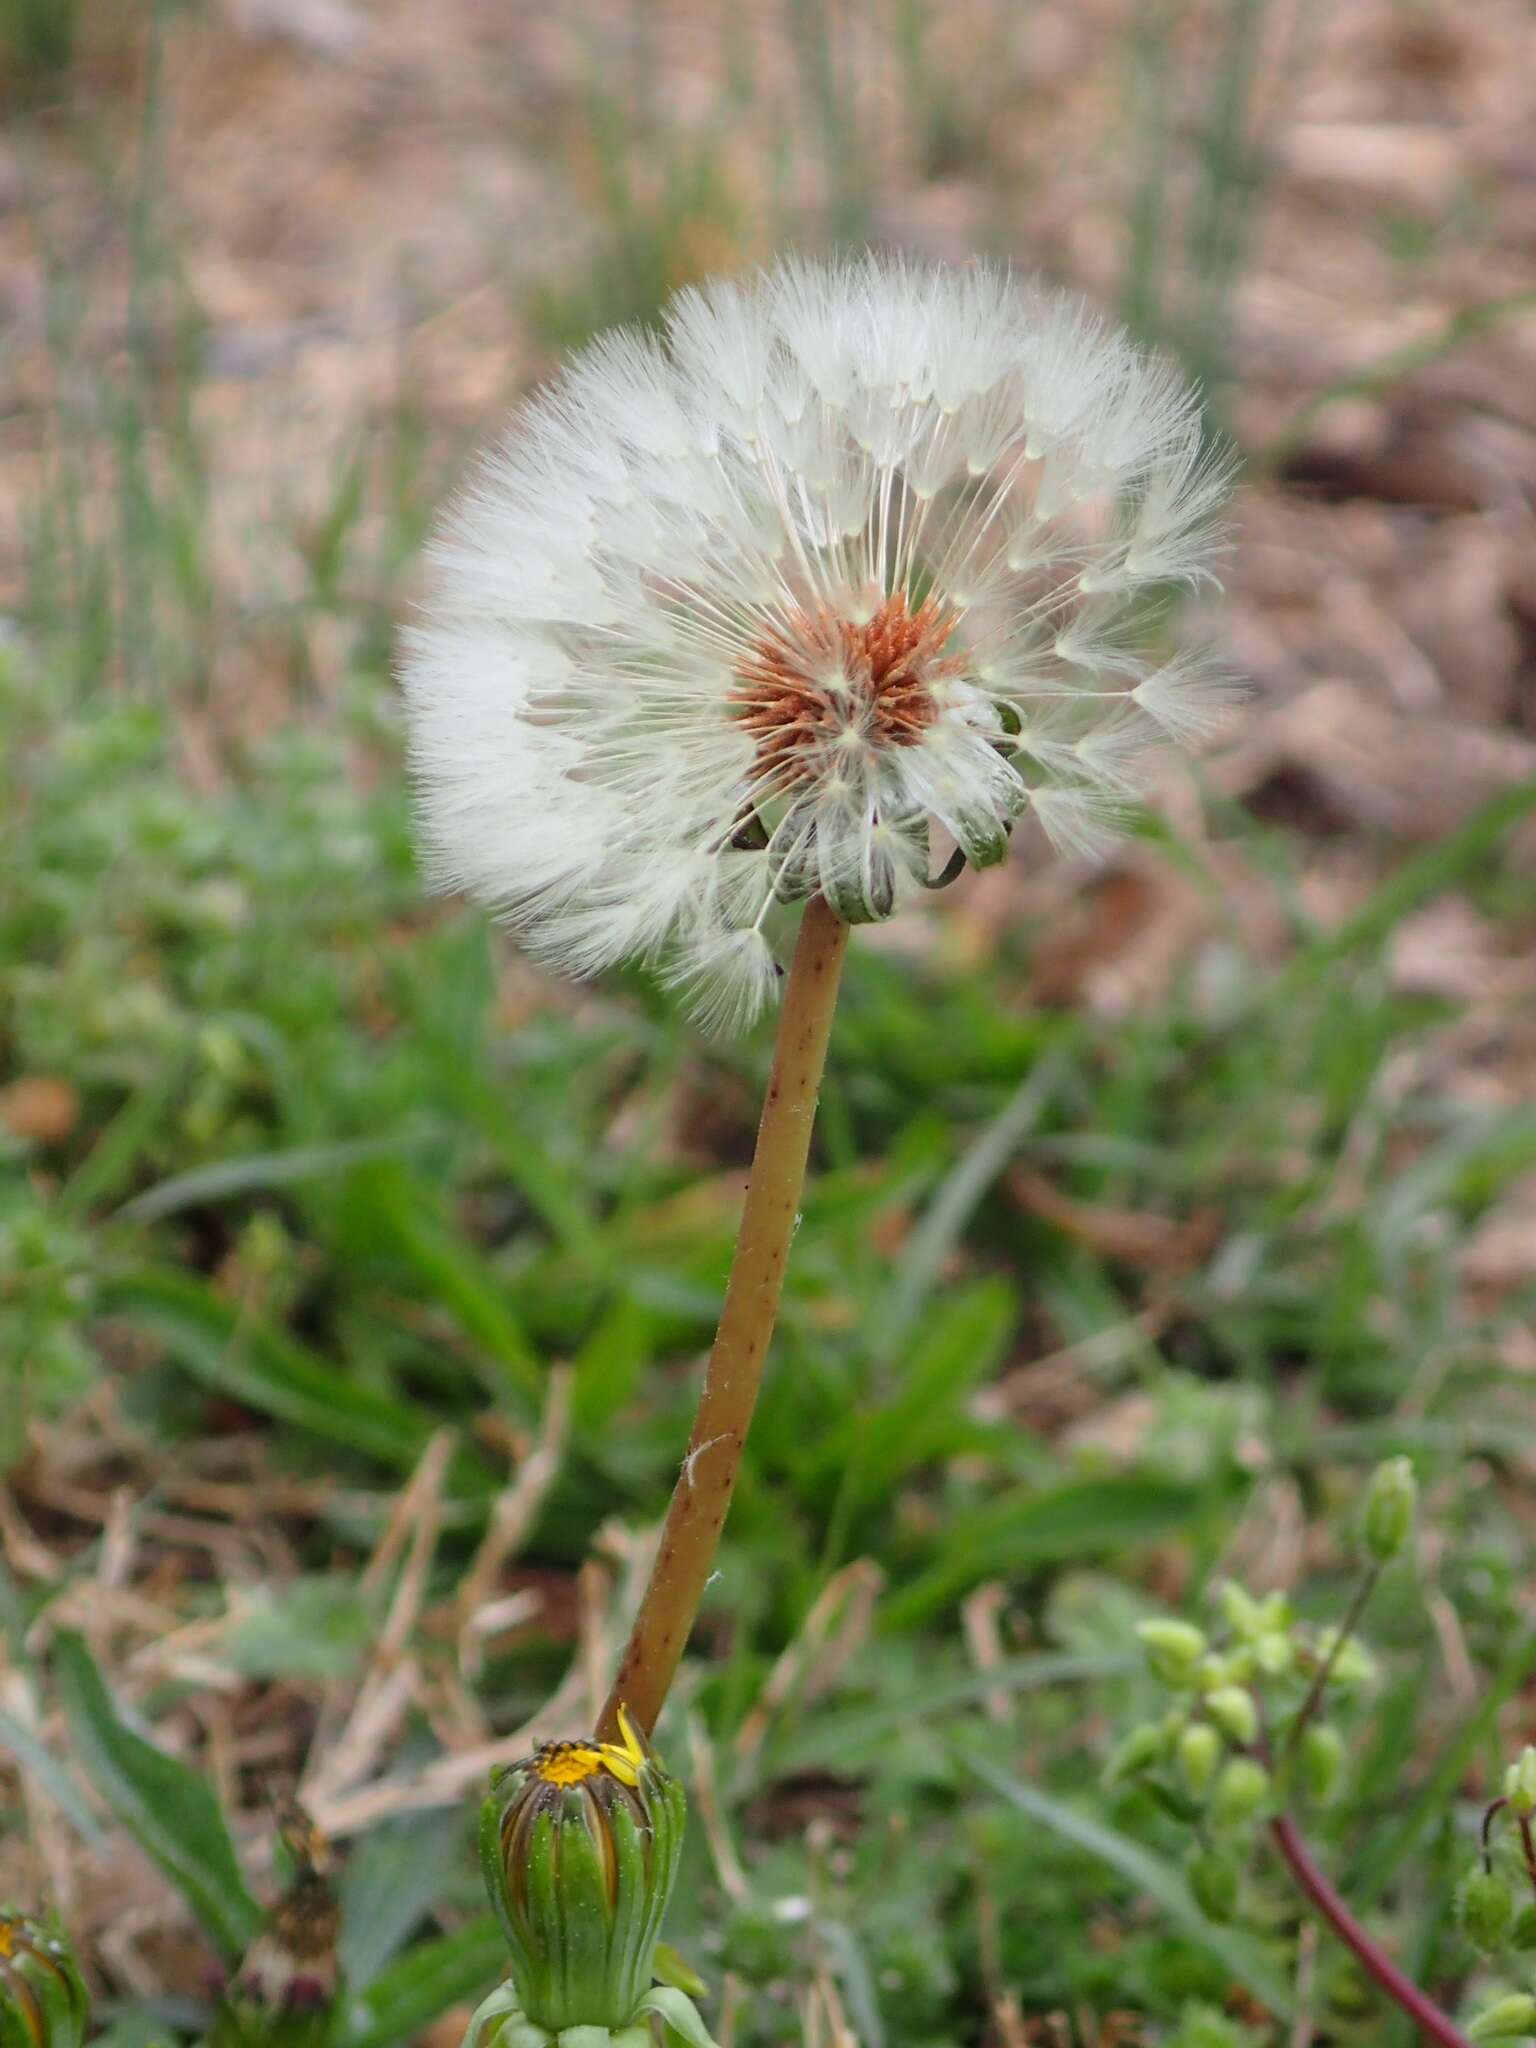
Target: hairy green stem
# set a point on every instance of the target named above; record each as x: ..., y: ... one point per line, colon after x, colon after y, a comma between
x: 708, y: 1476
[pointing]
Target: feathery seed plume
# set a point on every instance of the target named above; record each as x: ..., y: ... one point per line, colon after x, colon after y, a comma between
x: 853, y: 555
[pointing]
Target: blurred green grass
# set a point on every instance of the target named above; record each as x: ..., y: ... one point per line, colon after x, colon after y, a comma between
x: 332, y: 1167
x: 314, y: 1176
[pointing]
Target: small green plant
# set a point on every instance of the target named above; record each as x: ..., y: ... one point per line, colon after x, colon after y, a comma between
x: 1496, y: 1906
x: 1244, y: 1749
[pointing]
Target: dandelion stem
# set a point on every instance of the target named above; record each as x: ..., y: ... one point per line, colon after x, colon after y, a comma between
x: 708, y: 1476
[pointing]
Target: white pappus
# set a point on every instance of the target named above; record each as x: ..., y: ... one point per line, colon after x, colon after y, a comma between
x: 851, y: 555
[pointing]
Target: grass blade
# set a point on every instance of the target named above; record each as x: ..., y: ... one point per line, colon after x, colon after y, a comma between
x: 953, y: 1205
x: 1149, y: 1876
x: 1086, y: 1518
x: 227, y: 1177
x: 236, y: 1355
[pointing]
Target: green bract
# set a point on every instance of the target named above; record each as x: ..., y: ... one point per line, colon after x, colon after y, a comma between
x: 43, y: 2002
x: 580, y: 1847
x: 1512, y: 2019
x: 1485, y: 1906
x: 499, y: 2022
x: 1390, y: 1501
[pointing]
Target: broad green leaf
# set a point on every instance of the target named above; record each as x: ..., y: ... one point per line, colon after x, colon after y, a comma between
x: 396, y: 1876
x: 316, y: 1629
x: 40, y: 1761
x: 424, y: 1983
x: 167, y: 1808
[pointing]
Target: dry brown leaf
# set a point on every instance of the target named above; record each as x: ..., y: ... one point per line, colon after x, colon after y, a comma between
x: 1136, y: 1237
x: 40, y: 1109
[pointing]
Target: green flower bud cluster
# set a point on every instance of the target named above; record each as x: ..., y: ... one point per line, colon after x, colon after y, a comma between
x: 1257, y: 1671
x: 580, y: 1847
x: 43, y: 2002
x: 1495, y: 1906
x: 1244, y: 1711
x: 1200, y: 1757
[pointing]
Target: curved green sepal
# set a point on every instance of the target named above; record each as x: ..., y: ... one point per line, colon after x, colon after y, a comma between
x: 679, y: 2013
x: 43, y: 2000
x: 498, y: 2021
x: 676, y: 1971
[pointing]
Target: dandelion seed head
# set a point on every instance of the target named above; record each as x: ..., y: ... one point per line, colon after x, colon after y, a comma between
x: 851, y: 552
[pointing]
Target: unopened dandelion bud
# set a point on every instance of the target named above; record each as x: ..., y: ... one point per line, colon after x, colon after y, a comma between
x: 43, y: 2002
x: 1390, y: 1502
x: 1522, y: 1933
x: 844, y: 557
x: 1216, y: 1879
x: 1485, y: 1910
x: 580, y: 1847
x: 1520, y: 1784
x: 286, y: 1992
x: 1231, y: 1707
x: 1510, y: 2019
x: 1174, y: 1649
x: 1199, y: 1753
x: 1242, y: 1790
x: 1145, y: 1746
x: 1321, y: 1755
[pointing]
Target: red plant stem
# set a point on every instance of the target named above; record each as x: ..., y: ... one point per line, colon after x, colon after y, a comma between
x: 1431, y: 2022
